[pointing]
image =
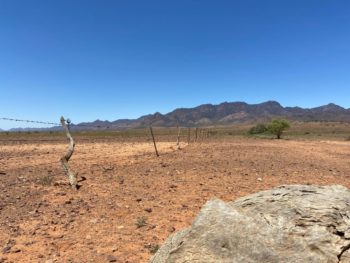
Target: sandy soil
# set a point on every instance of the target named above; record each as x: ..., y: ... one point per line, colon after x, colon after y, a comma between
x: 131, y: 200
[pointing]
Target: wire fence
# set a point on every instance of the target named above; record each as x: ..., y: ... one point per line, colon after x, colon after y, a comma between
x: 35, y: 159
x: 72, y: 125
x: 30, y: 121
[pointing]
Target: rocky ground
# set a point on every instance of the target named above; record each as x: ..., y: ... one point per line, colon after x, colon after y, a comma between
x: 130, y: 200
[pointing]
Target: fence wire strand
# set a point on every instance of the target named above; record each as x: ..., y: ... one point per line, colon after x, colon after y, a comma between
x: 30, y: 121
x: 72, y: 125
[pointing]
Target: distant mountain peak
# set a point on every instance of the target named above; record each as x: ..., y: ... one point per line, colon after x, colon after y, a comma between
x: 229, y: 113
x: 330, y: 107
x: 226, y: 113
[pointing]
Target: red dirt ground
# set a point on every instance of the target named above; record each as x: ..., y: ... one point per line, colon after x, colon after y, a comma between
x: 44, y: 221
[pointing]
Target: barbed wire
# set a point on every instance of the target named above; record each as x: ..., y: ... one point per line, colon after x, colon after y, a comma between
x: 30, y: 121
x: 72, y: 125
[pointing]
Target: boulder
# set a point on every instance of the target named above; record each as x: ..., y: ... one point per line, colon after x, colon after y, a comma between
x: 296, y: 223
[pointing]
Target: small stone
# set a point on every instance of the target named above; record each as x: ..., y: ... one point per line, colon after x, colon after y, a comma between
x: 16, y: 250
x: 94, y: 221
x: 171, y: 229
x: 148, y: 210
x: 259, y: 179
x: 111, y: 258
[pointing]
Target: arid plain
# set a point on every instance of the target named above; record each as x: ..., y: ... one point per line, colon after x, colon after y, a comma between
x: 130, y: 201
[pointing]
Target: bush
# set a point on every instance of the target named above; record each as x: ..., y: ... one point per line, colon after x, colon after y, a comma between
x: 258, y: 129
x: 277, y: 127
x: 141, y: 222
x: 45, y: 180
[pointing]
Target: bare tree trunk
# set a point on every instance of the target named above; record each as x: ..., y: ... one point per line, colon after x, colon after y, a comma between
x: 178, y: 138
x: 154, y: 141
x: 65, y: 158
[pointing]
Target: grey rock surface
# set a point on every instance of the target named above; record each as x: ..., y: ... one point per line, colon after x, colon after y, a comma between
x: 296, y: 223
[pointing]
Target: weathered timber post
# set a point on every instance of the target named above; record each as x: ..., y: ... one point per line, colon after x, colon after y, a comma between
x: 199, y: 134
x: 178, y: 138
x: 189, y: 136
x: 196, y: 135
x: 154, y: 141
x: 65, y: 158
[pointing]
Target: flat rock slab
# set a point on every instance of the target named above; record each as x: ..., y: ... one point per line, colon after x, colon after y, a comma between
x: 296, y: 223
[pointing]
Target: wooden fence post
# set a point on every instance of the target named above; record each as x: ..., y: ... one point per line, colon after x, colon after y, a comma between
x: 196, y: 134
x: 154, y: 141
x: 178, y: 138
x: 65, y: 158
x: 189, y: 136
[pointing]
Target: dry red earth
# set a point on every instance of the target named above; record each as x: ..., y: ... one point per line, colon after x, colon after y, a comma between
x: 43, y: 221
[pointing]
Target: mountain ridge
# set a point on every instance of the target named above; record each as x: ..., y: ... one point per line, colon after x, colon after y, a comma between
x: 225, y: 113
x: 228, y: 113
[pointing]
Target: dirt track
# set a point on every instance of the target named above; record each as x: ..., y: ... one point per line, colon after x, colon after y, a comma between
x: 42, y: 220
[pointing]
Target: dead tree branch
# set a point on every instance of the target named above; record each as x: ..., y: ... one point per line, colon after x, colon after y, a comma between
x: 65, y: 158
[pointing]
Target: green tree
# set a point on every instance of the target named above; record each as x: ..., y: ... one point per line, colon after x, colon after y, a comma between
x: 277, y: 127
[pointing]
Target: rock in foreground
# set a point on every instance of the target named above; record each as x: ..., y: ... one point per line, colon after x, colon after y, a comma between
x: 287, y: 224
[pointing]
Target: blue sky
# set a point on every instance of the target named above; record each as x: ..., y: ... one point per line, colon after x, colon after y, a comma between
x: 92, y: 60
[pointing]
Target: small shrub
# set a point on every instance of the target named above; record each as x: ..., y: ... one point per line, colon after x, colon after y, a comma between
x: 153, y: 248
x: 141, y: 222
x: 258, y: 129
x: 46, y: 180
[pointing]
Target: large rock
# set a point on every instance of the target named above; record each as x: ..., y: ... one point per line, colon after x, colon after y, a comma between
x: 287, y: 224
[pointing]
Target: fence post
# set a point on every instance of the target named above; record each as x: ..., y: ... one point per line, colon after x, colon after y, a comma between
x: 65, y: 158
x: 196, y: 134
x: 178, y: 138
x: 154, y: 141
x: 189, y: 135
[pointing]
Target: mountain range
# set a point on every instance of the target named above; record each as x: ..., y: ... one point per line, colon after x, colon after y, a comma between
x: 226, y: 113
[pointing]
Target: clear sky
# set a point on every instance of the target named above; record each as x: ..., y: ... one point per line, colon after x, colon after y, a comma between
x: 117, y: 59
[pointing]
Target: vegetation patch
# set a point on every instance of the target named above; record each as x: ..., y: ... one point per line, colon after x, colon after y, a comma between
x: 141, y: 222
x: 46, y: 180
